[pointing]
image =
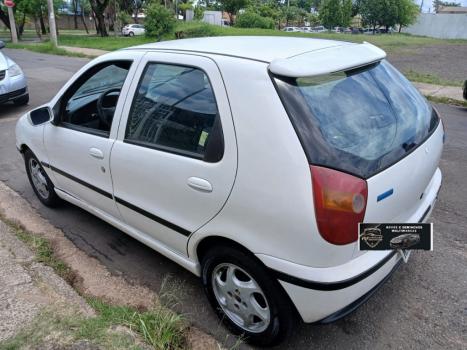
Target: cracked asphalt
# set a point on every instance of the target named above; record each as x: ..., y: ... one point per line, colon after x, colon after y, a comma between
x: 423, y: 305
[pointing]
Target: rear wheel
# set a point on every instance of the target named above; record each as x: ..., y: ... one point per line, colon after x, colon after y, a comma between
x: 40, y: 182
x: 245, y: 297
x: 22, y: 101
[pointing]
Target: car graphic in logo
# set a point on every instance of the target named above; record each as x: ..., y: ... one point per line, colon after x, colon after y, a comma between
x: 404, y: 241
x: 372, y: 236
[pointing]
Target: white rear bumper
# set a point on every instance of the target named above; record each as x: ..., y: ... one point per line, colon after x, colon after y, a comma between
x: 326, y: 294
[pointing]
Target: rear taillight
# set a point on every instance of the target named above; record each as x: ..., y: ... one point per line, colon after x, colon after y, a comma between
x: 340, y: 203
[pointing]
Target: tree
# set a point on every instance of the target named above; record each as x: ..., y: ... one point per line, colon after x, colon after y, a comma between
x: 232, y: 7
x: 251, y: 19
x: 330, y: 13
x: 407, y: 13
x: 159, y: 20
x: 99, y: 7
x: 346, y: 13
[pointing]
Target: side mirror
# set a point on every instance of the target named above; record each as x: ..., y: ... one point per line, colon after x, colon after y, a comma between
x: 2, y: 44
x: 40, y: 115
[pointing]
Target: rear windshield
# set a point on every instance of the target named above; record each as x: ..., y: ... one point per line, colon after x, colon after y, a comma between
x: 359, y: 121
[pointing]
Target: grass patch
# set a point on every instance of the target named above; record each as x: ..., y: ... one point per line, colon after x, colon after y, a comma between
x: 45, y: 47
x: 42, y: 250
x: 196, y: 29
x: 447, y: 101
x: 114, y: 327
x: 430, y: 79
x: 160, y: 327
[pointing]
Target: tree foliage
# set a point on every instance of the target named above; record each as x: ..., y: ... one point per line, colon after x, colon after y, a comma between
x: 336, y: 13
x: 232, y: 7
x: 250, y: 19
x: 159, y: 20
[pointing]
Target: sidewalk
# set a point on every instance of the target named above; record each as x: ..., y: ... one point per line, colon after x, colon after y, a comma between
x: 28, y: 288
x: 452, y: 92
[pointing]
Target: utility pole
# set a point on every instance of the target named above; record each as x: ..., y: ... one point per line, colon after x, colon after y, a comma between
x: 11, y: 16
x: 52, y: 25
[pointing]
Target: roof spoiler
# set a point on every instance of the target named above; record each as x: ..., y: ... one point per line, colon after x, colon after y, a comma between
x: 326, y: 61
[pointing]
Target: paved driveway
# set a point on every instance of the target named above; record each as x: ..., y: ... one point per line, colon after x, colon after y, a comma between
x: 423, y: 305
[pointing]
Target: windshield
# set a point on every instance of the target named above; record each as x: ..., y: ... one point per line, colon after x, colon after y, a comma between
x: 359, y: 121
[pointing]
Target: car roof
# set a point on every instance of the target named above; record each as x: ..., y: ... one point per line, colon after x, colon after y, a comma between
x: 259, y: 48
x: 289, y: 56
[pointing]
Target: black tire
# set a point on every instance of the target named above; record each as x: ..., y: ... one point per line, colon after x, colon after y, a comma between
x: 51, y: 200
x: 131, y: 34
x: 282, y: 312
x: 22, y: 101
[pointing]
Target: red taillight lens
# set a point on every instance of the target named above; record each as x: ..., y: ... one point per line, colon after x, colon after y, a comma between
x: 340, y: 203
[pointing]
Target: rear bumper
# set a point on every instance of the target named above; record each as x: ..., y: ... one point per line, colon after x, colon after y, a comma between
x: 326, y: 302
x: 327, y: 294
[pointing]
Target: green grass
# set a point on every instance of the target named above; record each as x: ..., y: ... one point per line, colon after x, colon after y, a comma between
x: 390, y: 43
x: 43, y: 251
x: 113, y: 327
x: 431, y: 79
x: 45, y: 47
x: 159, y: 327
x: 447, y: 101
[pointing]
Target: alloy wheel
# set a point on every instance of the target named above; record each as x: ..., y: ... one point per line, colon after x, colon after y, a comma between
x: 241, y: 298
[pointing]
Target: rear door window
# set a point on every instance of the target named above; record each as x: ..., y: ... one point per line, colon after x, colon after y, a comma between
x: 175, y: 110
x: 359, y: 121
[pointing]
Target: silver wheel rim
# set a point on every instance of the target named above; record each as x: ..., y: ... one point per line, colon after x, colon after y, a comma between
x: 38, y: 178
x: 241, y: 298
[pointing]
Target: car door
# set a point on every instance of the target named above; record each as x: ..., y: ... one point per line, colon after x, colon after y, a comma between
x: 175, y: 158
x: 78, y: 145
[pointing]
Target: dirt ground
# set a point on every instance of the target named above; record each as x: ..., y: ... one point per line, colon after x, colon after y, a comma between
x: 448, y: 62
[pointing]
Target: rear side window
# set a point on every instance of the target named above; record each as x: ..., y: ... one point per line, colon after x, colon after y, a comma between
x: 175, y: 110
x: 359, y: 121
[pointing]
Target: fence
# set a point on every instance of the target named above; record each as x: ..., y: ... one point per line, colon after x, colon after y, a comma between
x: 440, y: 25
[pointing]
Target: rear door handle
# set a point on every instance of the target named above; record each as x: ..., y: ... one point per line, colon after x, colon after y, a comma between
x: 200, y: 184
x: 96, y: 153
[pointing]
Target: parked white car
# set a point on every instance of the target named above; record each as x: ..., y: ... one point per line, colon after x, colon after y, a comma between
x: 13, y: 82
x: 133, y: 29
x: 319, y: 29
x: 292, y: 29
x: 249, y: 161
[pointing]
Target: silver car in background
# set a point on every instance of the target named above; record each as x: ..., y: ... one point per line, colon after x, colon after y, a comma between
x: 13, y: 83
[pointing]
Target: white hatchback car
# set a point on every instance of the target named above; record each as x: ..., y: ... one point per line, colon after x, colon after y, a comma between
x: 249, y: 161
x: 133, y: 29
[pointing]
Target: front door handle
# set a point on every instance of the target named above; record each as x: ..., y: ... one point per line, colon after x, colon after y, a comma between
x: 96, y: 153
x: 199, y: 184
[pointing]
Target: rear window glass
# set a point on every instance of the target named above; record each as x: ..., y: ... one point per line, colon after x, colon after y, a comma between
x: 359, y: 121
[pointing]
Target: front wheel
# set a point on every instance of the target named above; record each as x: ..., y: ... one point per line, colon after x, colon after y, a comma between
x: 249, y: 301
x: 131, y: 34
x: 40, y: 182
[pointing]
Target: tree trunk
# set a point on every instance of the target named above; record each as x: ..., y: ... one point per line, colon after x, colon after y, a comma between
x: 37, y: 27
x: 93, y: 15
x: 101, y: 29
x: 4, y: 19
x: 21, y: 25
x: 41, y: 21
x: 84, y: 21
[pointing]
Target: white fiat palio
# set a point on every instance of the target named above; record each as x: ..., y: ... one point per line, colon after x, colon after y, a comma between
x: 249, y: 161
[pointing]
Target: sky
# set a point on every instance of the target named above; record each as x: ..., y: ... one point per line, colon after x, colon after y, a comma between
x: 428, y: 4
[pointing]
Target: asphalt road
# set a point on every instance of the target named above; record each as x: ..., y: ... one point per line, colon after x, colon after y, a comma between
x: 423, y: 305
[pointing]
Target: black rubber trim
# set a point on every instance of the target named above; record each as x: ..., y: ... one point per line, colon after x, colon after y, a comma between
x: 81, y: 182
x: 153, y: 217
x: 328, y: 286
x: 143, y: 212
x: 357, y: 303
x: 425, y: 213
